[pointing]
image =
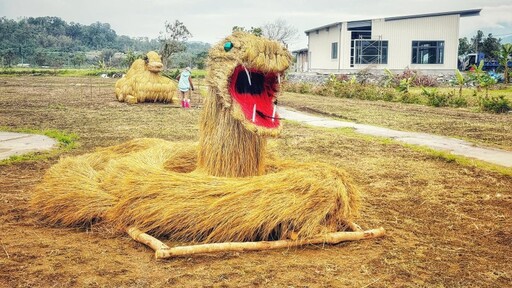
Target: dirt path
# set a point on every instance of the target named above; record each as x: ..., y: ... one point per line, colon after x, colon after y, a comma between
x: 455, y: 146
x: 448, y: 225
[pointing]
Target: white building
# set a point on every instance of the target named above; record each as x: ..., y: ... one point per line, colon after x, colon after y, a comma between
x: 426, y: 42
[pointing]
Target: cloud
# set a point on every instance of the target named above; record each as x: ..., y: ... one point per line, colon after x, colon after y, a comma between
x: 210, y: 21
x: 495, y: 20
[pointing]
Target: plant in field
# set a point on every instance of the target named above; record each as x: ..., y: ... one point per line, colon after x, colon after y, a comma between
x: 476, y: 73
x: 487, y: 82
x: 483, y: 79
x: 304, y: 88
x: 460, y: 80
x: 496, y: 104
x: 434, y: 98
x: 389, y: 78
x: 505, y: 54
x: 458, y: 101
x: 102, y: 65
x: 404, y: 85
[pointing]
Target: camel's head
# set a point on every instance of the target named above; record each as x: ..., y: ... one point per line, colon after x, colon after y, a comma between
x: 244, y: 75
x: 153, y: 62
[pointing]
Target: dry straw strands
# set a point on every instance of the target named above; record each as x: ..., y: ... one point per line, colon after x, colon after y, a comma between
x: 150, y: 184
x: 226, y: 188
x: 143, y: 83
x: 230, y: 145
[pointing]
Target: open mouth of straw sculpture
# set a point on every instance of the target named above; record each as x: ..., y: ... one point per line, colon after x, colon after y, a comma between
x: 255, y: 92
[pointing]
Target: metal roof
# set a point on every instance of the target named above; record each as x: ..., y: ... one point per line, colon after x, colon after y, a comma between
x: 462, y: 13
x: 323, y: 27
x: 300, y: 51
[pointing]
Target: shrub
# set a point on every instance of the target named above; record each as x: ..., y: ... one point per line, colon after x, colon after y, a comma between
x: 172, y: 74
x: 416, y: 79
x: 425, y: 81
x: 304, y: 88
x: 458, y: 101
x: 434, y: 98
x: 409, y: 98
x: 388, y: 94
x: 495, y: 104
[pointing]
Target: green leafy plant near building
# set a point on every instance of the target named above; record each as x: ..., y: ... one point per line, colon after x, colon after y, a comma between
x: 404, y: 87
x: 504, y: 56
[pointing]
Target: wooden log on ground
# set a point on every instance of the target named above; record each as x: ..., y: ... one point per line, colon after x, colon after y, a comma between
x: 146, y: 239
x: 163, y: 251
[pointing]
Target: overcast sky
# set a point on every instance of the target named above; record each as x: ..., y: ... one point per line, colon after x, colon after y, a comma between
x: 210, y: 21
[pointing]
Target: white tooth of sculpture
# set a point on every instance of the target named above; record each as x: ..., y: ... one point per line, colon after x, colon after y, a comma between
x: 274, y: 113
x: 254, y: 114
x: 248, y: 76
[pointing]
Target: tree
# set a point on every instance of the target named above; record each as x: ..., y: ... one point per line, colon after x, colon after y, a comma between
x: 106, y: 55
x: 280, y: 31
x: 78, y: 59
x: 505, y: 54
x: 254, y: 30
x: 173, y: 40
x: 130, y: 58
x: 40, y: 58
x: 199, y: 59
x: 464, y: 46
x: 9, y: 57
x: 477, y: 41
x: 491, y: 47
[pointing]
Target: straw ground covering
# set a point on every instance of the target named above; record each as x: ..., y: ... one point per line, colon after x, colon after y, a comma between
x: 154, y: 185
x: 448, y: 225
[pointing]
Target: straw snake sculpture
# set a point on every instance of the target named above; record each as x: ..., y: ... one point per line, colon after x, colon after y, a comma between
x: 225, y: 188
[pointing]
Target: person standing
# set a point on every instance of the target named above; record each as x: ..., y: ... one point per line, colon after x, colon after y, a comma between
x: 185, y: 85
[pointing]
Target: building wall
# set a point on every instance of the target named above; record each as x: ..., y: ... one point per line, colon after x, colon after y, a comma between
x: 401, y: 33
x: 398, y: 33
x: 320, y: 49
x: 346, y: 38
x: 301, y: 64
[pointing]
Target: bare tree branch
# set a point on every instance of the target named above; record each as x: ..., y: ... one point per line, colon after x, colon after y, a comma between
x: 173, y: 40
x: 280, y: 31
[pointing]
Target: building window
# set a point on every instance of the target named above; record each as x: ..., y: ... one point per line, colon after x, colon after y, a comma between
x: 368, y: 51
x: 334, y: 50
x: 427, y: 52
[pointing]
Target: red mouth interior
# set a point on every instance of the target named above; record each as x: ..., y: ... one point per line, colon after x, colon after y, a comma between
x: 257, y: 97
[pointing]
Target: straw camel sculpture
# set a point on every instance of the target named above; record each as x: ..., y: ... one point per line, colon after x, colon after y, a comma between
x: 143, y: 82
x: 225, y: 192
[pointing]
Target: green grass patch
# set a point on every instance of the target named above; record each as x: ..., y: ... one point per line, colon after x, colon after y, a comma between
x: 461, y: 160
x: 58, y: 72
x: 66, y: 141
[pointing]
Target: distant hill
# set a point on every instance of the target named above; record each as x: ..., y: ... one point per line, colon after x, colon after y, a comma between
x: 51, y: 41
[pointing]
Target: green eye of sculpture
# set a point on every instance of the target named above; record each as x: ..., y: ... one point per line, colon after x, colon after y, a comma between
x: 228, y: 46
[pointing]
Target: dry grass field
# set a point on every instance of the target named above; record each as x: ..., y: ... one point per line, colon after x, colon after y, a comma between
x: 448, y: 225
